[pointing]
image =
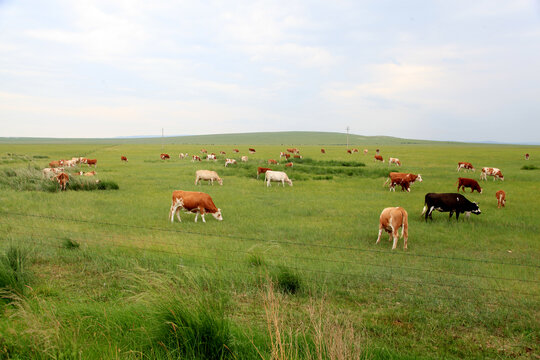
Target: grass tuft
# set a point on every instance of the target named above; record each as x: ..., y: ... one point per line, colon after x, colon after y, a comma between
x: 256, y: 260
x: 13, y: 269
x: 287, y: 281
x: 67, y: 243
x: 529, y: 167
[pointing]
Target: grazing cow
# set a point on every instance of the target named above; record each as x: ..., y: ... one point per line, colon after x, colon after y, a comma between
x: 90, y: 162
x: 89, y: 173
x: 470, y: 183
x: 236, y: 150
x: 164, y: 156
x: 229, y: 162
x: 298, y: 157
x: 354, y: 150
x: 465, y: 165
x: 211, y: 157
x: 276, y: 176
x: 290, y: 164
x: 50, y: 172
x: 204, y: 151
x: 182, y: 155
x: 195, y: 202
x: 272, y: 162
x: 365, y: 151
x: 496, y: 173
x: 527, y: 156
x: 449, y: 202
x: 349, y: 152
x: 294, y: 151
x: 244, y: 158
x: 323, y: 151
x: 195, y: 158
x: 262, y: 170
x: 397, y: 178
x: 379, y: 158
x: 55, y: 164
x: 252, y: 151
x: 123, y: 158
x: 222, y: 152
x: 208, y: 175
x: 501, y: 198
x: 63, y: 180
x: 391, y: 219
x: 394, y: 161
x: 69, y: 163
x: 282, y: 154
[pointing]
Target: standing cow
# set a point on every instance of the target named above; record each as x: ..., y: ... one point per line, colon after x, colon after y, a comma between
x: 391, y: 219
x: 394, y: 161
x: 462, y: 183
x: 465, y: 166
x: 488, y: 171
x: 278, y: 176
x: 449, y: 202
x: 195, y: 202
x: 208, y: 175
x: 501, y: 198
x: 63, y: 180
x: 378, y: 158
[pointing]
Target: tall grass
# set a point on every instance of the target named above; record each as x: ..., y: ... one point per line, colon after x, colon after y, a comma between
x: 14, y: 273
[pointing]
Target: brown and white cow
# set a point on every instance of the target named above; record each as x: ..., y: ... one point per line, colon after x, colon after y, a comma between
x: 262, y: 170
x: 462, y: 183
x: 211, y: 157
x: 290, y: 164
x: 488, y: 171
x: 403, y: 179
x: 55, y: 164
x: 465, y: 165
x: 282, y: 154
x: 50, y: 172
x: 208, y: 175
x: 378, y: 158
x: 195, y: 202
x: 229, y: 162
x: 244, y: 158
x: 501, y: 198
x: 527, y: 156
x: 394, y: 161
x: 252, y: 151
x: 222, y: 152
x: 272, y: 162
x: 195, y: 158
x: 323, y: 151
x: 365, y: 151
x: 182, y: 155
x: 164, y: 156
x: 391, y: 219
x: 91, y: 162
x: 294, y: 151
x: 89, y: 173
x: 204, y: 151
x: 349, y: 151
x: 236, y: 150
x: 123, y: 158
x: 298, y: 157
x: 63, y: 180
x: 354, y: 150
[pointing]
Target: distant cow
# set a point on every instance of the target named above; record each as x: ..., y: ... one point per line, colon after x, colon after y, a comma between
x: 391, y: 219
x: 354, y: 150
x: 501, y: 198
x: 123, y: 158
x: 282, y: 154
x: 195, y: 158
x: 496, y: 173
x: 378, y: 158
x: 397, y: 178
x: 63, y: 180
x: 91, y: 162
x: 278, y: 176
x: 394, y: 161
x: 349, y: 152
x: 182, y: 155
x: 465, y: 165
x: 164, y: 156
x: 222, y: 152
x: 54, y: 164
x: 448, y: 202
x: 236, y: 150
x: 377, y: 152
x: 89, y: 173
x: 294, y: 151
x: 244, y: 158
x: 262, y: 170
x: 211, y: 157
x: 526, y: 156
x: 252, y: 151
x: 204, y: 151
x: 195, y: 202
x: 323, y: 151
x: 365, y: 151
x: 208, y: 175
x: 50, y: 172
x: 298, y: 157
x: 229, y: 162
x: 290, y: 164
x: 470, y: 183
x: 272, y: 162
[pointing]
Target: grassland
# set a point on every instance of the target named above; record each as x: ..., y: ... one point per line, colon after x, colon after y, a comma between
x: 291, y: 272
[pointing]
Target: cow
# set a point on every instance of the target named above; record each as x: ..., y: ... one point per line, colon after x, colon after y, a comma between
x: 282, y: 154
x: 397, y: 178
x: 394, y: 161
x: 50, y: 172
x: 252, y: 151
x: 262, y: 170
x: 272, y: 162
x: 211, y: 157
x: 77, y: 160
x: 462, y: 183
x: 182, y: 155
x: 90, y: 162
x: 222, y: 152
x: 236, y: 150
x: 496, y: 173
x: 69, y: 163
x: 195, y: 158
x: 391, y: 219
x: 208, y: 175
x: 54, y: 164
x: 204, y: 151
x: 298, y: 157
x: 123, y: 158
x: 449, y: 202
x: 527, y: 156
x: 349, y: 152
x: 354, y: 150
x: 63, y: 180
x: 244, y: 158
x: 290, y: 164
x: 403, y: 182
x: 195, y: 202
x: 89, y: 173
x: 465, y: 166
x: 323, y: 151
x: 501, y: 198
x: 276, y: 176
x: 164, y: 156
x: 294, y: 151
x: 229, y: 162
x: 379, y: 158
x: 365, y: 151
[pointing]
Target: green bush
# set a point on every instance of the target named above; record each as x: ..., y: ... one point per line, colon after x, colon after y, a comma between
x: 288, y: 281
x: 70, y: 244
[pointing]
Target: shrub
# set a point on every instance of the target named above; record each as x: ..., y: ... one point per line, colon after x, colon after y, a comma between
x: 288, y: 281
x: 70, y: 244
x: 256, y: 260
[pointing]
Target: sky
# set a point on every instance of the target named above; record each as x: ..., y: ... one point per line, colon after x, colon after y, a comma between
x: 439, y: 70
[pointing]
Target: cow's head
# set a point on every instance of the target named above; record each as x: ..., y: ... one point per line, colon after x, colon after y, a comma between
x: 220, y: 181
x: 217, y: 215
x: 475, y: 209
x: 289, y: 181
x: 419, y: 178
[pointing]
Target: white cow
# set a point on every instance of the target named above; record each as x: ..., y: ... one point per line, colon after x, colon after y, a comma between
x: 211, y: 157
x: 244, y: 158
x: 277, y: 176
x: 229, y: 162
x: 208, y: 175
x: 182, y: 155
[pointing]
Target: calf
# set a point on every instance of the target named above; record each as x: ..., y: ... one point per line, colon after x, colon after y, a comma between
x: 397, y: 178
x: 262, y: 170
x: 391, y: 219
x: 278, y: 176
x: 403, y: 182
x: 195, y: 202
x: 394, y: 161
x: 501, y: 198
x: 123, y: 158
x: 208, y: 175
x: 63, y: 180
x: 378, y: 158
x: 229, y: 162
x: 496, y: 173
x: 465, y: 166
x: 449, y: 202
x: 470, y: 183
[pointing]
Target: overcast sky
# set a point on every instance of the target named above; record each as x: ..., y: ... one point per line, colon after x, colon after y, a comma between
x: 444, y: 70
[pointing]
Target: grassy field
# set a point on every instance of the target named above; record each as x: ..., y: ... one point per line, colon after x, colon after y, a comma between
x: 289, y: 273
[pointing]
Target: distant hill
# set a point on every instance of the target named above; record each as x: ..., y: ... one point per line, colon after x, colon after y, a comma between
x: 258, y: 138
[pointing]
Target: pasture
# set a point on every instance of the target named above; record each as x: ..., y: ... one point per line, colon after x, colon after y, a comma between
x: 291, y: 272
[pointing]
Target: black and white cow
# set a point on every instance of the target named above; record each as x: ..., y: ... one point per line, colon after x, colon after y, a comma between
x: 449, y: 202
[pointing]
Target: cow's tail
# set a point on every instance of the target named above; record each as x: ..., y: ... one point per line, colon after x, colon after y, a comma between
x: 405, y: 225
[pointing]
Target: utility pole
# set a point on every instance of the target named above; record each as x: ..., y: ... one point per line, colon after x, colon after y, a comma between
x: 348, y: 128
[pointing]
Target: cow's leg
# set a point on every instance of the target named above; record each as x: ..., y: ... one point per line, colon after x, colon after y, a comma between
x: 201, y: 209
x: 457, y: 215
x: 451, y: 213
x: 380, y: 232
x: 429, y: 213
x: 178, y: 214
x: 196, y: 215
x: 395, y: 236
x: 268, y: 183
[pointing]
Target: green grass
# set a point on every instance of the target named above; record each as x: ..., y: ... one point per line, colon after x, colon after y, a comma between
x: 466, y: 289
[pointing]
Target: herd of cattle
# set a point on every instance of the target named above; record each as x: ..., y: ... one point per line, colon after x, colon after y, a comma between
x: 390, y: 220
